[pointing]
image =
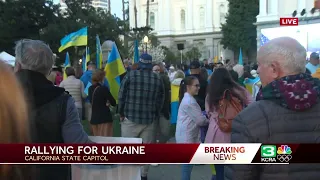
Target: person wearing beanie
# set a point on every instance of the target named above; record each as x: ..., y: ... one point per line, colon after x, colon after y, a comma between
x: 240, y: 70
x: 141, y: 98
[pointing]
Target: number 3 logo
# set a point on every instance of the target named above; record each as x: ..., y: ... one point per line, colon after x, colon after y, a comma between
x: 268, y: 151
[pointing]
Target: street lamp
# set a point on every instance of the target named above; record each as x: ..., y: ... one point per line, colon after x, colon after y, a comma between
x: 146, y: 40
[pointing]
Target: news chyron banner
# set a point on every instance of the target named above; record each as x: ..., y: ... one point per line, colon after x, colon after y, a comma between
x: 158, y: 153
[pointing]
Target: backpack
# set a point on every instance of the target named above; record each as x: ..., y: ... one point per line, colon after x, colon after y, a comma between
x: 229, y: 107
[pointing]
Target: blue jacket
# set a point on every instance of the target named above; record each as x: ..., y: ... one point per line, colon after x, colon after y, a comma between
x: 87, y: 76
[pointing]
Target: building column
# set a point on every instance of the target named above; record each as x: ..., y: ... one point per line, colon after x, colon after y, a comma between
x: 131, y: 13
x: 274, y: 7
x: 263, y: 8
x: 159, y: 18
x: 209, y: 45
x: 139, y: 14
x: 209, y: 15
x: 166, y: 18
x: 301, y: 5
x: 189, y: 16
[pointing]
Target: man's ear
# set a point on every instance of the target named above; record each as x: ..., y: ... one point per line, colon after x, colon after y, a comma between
x: 275, y: 70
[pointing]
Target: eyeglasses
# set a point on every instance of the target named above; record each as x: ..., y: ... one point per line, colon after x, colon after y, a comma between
x: 197, y: 85
x: 157, y: 70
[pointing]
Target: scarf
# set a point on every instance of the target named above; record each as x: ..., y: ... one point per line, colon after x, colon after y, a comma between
x: 295, y: 92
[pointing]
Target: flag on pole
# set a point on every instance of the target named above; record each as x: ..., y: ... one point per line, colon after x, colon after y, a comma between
x: 240, y: 57
x: 84, y: 61
x: 215, y: 60
x: 114, y: 68
x: 263, y: 39
x: 87, y: 55
x: 99, y: 60
x: 79, y: 38
x: 66, y: 64
x: 136, y: 52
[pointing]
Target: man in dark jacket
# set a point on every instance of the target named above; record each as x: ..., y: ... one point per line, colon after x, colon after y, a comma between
x: 195, y: 71
x: 53, y: 115
x: 287, y: 111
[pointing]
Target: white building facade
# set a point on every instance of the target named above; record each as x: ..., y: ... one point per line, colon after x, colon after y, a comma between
x: 194, y: 23
x: 268, y: 21
x: 100, y: 4
x: 95, y: 3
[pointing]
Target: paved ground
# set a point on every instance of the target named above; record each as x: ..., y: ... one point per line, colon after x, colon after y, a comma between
x: 165, y: 172
x: 173, y: 172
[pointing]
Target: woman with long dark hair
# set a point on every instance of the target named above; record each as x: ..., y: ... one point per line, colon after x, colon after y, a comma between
x: 190, y: 118
x: 221, y: 81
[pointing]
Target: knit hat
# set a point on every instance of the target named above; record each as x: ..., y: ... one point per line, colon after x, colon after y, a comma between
x: 239, y: 69
x: 145, y: 61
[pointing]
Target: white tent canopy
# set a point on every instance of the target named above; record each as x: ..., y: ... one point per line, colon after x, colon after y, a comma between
x: 7, y: 58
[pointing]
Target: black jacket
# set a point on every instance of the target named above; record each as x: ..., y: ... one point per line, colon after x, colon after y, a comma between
x: 47, y: 106
x: 100, y: 112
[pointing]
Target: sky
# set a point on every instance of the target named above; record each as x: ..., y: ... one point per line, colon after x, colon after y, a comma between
x: 116, y: 7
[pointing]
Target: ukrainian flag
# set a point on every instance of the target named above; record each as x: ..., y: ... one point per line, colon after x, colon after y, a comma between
x: 66, y: 64
x: 114, y: 68
x: 79, y: 38
x: 87, y: 55
x: 240, y: 57
x: 84, y: 62
x: 250, y: 84
x: 174, y: 103
x: 136, y: 52
x: 99, y: 60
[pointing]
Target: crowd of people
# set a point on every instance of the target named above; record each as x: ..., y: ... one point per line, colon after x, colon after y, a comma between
x: 274, y: 101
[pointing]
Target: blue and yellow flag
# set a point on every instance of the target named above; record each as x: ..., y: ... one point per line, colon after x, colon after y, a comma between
x: 114, y: 68
x: 87, y: 55
x: 99, y: 60
x: 66, y: 64
x: 79, y: 38
x: 84, y: 62
x: 174, y: 103
x: 136, y: 52
x: 240, y: 57
x: 250, y: 84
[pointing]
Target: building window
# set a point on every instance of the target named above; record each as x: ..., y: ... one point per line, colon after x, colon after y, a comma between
x: 222, y: 14
x: 183, y: 19
x: 152, y: 20
x: 202, y: 16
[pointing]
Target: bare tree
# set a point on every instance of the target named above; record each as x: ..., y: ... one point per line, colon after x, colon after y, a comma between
x: 147, y: 19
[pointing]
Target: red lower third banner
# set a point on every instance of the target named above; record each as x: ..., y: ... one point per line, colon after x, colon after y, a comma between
x: 158, y: 153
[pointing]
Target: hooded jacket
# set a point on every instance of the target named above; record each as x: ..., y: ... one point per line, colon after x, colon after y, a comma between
x: 287, y: 111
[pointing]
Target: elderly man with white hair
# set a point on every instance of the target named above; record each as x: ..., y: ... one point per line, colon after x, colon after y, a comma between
x: 287, y: 110
x: 53, y: 115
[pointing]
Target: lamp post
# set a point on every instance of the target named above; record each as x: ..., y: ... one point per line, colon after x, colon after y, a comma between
x: 146, y: 40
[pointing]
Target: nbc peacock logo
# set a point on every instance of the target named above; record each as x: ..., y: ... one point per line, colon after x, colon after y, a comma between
x: 284, y: 153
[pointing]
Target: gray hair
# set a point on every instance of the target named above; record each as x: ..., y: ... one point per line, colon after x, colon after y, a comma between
x: 288, y: 52
x: 34, y: 55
